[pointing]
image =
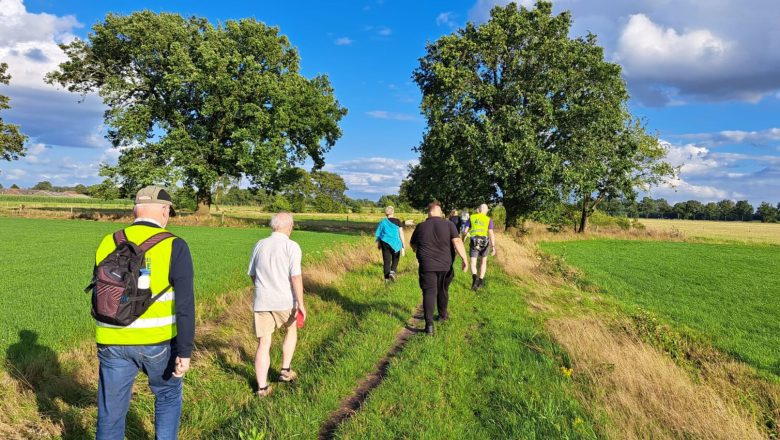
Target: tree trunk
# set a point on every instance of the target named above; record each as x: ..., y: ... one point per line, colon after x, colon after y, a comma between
x: 513, y: 217
x: 584, y: 215
x: 204, y: 202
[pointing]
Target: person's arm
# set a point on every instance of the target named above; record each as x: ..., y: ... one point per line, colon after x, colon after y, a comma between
x: 297, y: 285
x: 252, y: 265
x: 413, y: 241
x: 466, y: 227
x: 403, y: 240
x: 492, y: 236
x: 458, y: 243
x: 181, y: 278
x: 296, y: 279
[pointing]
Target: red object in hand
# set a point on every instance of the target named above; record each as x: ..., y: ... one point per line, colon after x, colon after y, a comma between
x: 299, y: 319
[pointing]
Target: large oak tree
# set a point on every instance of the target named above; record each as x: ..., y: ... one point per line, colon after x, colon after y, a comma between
x: 193, y: 102
x: 519, y: 113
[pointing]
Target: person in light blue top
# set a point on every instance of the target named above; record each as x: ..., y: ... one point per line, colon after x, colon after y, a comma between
x: 390, y: 240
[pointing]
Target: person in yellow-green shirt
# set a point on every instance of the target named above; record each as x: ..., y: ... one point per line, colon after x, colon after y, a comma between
x: 480, y: 227
x: 160, y: 341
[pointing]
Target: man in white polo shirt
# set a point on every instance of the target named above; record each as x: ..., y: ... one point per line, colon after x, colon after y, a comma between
x: 275, y: 269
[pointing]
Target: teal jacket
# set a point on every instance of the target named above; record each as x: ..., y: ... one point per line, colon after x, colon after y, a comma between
x: 389, y: 233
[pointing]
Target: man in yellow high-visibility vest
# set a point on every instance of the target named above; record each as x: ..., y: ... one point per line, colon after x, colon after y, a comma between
x: 160, y: 341
x: 480, y: 227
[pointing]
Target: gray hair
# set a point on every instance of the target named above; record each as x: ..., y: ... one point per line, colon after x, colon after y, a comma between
x: 483, y: 208
x: 281, y: 220
x: 389, y: 210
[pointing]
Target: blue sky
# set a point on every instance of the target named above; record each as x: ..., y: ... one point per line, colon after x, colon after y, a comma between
x: 705, y: 76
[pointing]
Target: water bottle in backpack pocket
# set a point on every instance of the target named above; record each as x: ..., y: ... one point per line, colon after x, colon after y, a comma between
x: 121, y: 283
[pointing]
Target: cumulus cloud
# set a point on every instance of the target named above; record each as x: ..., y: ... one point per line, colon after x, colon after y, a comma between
x: 373, y: 176
x: 56, y: 165
x: 674, y: 52
x: 383, y: 114
x: 710, y: 176
x: 29, y: 42
x: 343, y: 41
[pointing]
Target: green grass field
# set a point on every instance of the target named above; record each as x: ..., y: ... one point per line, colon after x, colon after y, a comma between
x: 489, y: 373
x: 725, y: 293
x: 47, y: 263
x: 485, y: 374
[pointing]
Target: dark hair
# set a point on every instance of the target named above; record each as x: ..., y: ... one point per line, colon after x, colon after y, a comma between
x: 433, y: 204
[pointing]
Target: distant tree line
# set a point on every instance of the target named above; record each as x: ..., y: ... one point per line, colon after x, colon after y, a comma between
x: 318, y: 191
x: 724, y: 210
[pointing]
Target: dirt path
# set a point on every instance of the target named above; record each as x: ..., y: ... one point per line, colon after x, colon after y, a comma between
x: 350, y: 405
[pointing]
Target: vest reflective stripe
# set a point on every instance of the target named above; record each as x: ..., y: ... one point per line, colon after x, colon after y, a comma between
x: 143, y: 323
x: 480, y: 223
x: 167, y: 296
x: 158, y: 323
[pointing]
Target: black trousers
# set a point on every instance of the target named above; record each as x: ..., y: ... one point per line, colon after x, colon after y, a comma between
x: 435, y: 289
x: 389, y: 258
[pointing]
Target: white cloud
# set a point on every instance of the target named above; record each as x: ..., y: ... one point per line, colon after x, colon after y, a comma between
x: 13, y: 174
x: 447, y: 19
x: 649, y: 50
x: 343, y: 41
x: 372, y: 176
x: 382, y: 114
x: 384, y: 31
x: 757, y: 138
x: 710, y: 176
x: 677, y: 51
x: 29, y: 42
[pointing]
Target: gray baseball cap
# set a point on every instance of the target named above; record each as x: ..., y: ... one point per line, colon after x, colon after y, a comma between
x: 154, y: 194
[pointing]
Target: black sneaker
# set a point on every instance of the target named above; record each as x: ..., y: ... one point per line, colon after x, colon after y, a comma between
x: 481, y: 283
x: 444, y: 318
x: 474, y: 283
x: 429, y: 329
x: 391, y: 277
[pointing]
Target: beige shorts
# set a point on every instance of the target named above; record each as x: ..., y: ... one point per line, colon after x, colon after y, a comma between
x: 267, y: 322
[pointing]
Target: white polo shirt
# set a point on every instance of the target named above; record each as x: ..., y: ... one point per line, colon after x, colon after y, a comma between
x: 274, y: 260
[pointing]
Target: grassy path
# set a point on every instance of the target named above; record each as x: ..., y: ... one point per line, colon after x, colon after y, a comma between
x: 490, y: 372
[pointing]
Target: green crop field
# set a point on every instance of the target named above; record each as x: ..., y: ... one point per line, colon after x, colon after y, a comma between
x: 726, y: 293
x: 47, y: 263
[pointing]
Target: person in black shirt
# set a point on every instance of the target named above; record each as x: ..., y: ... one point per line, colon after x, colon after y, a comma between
x: 456, y: 220
x: 435, y: 242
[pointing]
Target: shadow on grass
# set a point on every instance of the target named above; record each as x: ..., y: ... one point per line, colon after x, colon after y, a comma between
x: 60, y: 395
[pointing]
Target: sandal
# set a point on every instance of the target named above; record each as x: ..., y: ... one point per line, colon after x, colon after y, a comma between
x: 287, y: 375
x: 264, y: 391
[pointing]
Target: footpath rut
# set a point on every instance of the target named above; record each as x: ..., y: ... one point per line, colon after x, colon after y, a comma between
x: 351, y: 404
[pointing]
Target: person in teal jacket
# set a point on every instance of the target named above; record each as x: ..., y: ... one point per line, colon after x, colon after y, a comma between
x: 390, y: 240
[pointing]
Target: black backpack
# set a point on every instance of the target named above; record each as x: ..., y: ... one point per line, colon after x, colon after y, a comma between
x: 116, y: 298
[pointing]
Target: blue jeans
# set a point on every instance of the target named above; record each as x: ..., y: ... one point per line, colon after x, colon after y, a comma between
x: 119, y: 365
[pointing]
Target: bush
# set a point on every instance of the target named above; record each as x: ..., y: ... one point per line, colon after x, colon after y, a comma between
x: 279, y: 203
x: 498, y: 214
x: 184, y: 198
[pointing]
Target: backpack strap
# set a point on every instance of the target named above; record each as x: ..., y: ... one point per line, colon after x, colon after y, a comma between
x: 154, y: 240
x: 120, y: 237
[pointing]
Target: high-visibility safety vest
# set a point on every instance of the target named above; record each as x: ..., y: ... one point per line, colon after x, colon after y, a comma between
x: 480, y: 223
x: 158, y: 323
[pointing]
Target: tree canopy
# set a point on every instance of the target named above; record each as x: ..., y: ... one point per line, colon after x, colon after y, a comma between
x: 521, y: 114
x: 11, y: 139
x: 192, y: 102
